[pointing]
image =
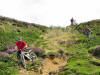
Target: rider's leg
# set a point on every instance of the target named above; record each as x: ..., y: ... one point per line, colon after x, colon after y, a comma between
x: 23, y: 63
x: 18, y: 56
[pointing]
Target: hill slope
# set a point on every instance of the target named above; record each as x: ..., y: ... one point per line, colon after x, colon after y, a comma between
x: 82, y: 62
x: 10, y: 31
x: 69, y: 45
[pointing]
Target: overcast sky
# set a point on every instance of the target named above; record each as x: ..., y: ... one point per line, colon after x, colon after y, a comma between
x: 51, y: 12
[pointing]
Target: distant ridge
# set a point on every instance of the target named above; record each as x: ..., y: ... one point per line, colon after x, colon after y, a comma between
x: 5, y: 20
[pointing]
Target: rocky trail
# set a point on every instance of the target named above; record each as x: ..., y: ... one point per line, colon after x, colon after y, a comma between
x: 50, y: 67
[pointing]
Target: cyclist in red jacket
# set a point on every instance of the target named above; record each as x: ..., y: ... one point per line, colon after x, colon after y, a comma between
x: 21, y: 45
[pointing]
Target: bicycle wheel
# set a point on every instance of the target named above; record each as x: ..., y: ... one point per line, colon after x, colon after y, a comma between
x: 33, y: 56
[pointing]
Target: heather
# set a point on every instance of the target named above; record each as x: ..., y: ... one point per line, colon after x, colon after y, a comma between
x: 3, y: 54
x: 37, y: 51
x: 11, y: 49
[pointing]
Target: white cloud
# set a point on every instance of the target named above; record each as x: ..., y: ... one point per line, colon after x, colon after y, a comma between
x: 51, y: 12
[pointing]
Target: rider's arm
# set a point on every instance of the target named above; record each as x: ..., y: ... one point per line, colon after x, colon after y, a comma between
x: 25, y: 44
x: 17, y: 43
x: 16, y: 47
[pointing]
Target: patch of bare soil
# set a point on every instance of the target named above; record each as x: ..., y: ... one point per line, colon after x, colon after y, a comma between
x: 52, y: 66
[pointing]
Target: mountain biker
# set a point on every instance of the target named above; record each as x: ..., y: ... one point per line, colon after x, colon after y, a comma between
x: 21, y: 45
x: 87, y: 31
x: 73, y: 22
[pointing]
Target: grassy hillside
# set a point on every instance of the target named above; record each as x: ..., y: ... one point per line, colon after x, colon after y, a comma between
x: 81, y: 62
x: 10, y: 31
x: 69, y: 45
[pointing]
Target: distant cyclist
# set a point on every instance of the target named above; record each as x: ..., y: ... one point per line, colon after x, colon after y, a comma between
x: 87, y: 31
x: 21, y: 45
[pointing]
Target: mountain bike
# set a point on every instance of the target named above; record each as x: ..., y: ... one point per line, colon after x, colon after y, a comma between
x: 29, y: 54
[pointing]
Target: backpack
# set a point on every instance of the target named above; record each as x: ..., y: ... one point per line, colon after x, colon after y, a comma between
x: 20, y: 42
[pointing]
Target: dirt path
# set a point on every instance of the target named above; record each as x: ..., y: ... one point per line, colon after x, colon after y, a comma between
x: 52, y: 65
x: 48, y: 66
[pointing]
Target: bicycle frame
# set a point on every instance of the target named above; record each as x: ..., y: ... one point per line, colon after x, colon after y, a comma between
x: 29, y: 54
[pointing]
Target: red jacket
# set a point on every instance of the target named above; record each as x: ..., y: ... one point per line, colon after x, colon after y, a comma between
x: 21, y: 45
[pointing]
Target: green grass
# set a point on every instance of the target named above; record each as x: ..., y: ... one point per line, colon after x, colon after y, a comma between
x: 81, y: 67
x: 8, y: 66
x: 31, y: 37
x: 37, y: 63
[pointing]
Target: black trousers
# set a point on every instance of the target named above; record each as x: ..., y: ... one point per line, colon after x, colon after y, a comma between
x: 18, y: 54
